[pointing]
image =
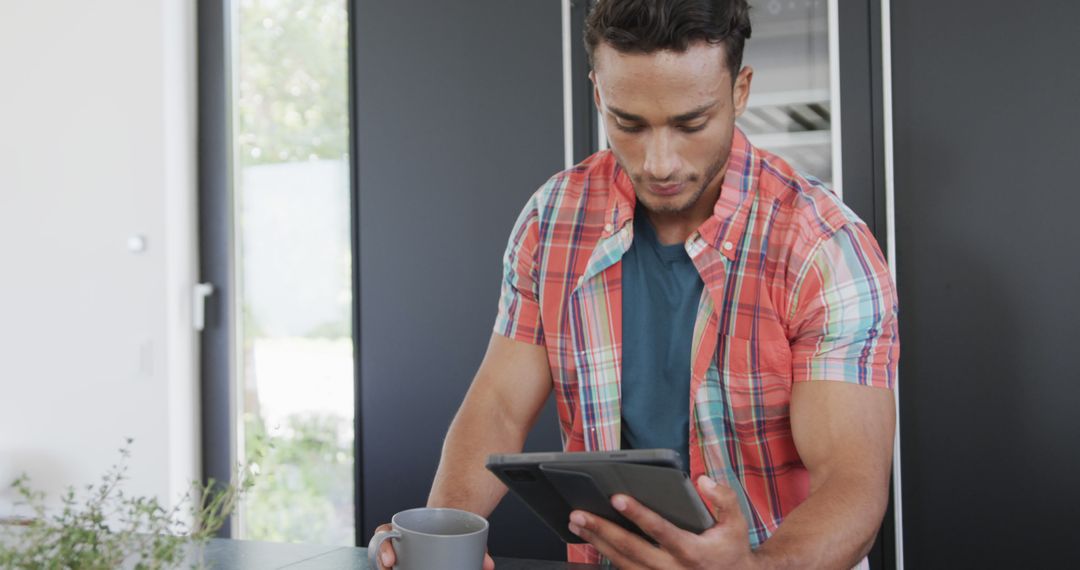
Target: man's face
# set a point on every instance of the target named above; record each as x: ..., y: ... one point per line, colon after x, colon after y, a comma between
x: 670, y: 118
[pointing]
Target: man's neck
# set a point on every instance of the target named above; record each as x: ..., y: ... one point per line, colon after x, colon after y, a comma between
x: 675, y: 227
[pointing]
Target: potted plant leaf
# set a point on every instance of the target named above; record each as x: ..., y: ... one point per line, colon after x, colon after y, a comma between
x: 100, y: 527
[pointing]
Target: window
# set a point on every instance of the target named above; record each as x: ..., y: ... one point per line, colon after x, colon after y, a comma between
x: 292, y: 266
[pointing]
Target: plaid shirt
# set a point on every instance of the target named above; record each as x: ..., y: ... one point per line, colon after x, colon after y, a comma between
x: 796, y: 290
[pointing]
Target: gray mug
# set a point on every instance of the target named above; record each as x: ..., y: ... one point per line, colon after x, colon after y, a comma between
x: 428, y: 538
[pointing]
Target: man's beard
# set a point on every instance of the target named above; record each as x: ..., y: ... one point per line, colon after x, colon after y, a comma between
x: 676, y: 208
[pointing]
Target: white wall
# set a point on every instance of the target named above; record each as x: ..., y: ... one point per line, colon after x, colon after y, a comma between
x: 97, y: 143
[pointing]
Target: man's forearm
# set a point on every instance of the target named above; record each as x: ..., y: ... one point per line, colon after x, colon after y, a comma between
x: 462, y: 481
x: 834, y: 528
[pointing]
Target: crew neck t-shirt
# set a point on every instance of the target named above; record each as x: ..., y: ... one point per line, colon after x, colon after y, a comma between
x: 661, y: 293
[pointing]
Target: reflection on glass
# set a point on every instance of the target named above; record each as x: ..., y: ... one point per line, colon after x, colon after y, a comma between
x: 294, y: 269
x: 790, y: 110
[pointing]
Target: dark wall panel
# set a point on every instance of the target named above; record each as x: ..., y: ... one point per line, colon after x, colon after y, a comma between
x: 988, y: 244
x: 862, y: 142
x: 459, y: 121
x: 860, y: 108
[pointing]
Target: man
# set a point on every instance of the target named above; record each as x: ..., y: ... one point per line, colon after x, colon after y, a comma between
x: 687, y: 290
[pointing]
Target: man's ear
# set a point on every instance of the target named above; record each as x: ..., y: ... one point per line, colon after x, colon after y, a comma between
x: 595, y: 90
x: 741, y: 92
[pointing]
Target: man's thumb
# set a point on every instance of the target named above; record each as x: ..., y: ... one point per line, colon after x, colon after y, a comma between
x: 720, y: 497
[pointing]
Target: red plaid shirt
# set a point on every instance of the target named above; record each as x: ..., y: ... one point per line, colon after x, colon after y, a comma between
x: 796, y: 290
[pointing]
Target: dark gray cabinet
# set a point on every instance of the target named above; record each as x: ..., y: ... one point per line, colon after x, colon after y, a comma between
x: 986, y: 118
x: 459, y: 119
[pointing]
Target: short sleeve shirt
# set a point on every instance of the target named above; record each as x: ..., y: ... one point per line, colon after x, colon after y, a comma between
x: 798, y: 291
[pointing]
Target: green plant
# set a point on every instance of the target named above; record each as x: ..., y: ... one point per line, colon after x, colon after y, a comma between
x: 292, y: 81
x: 102, y: 528
x: 305, y: 491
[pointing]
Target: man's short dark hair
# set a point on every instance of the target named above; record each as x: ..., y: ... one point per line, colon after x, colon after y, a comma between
x: 647, y: 26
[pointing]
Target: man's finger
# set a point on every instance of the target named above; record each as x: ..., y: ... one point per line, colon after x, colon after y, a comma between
x: 723, y: 500
x: 670, y: 537
x: 489, y: 562
x: 387, y: 557
x: 606, y: 549
x: 624, y: 548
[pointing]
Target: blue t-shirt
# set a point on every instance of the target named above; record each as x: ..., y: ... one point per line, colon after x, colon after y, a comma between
x: 661, y: 292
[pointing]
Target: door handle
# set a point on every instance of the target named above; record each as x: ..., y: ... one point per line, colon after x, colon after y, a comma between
x: 198, y: 304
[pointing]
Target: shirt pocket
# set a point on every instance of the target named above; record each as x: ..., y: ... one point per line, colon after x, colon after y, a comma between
x: 755, y: 380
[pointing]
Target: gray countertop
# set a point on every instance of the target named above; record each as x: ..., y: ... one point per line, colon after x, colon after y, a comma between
x: 248, y: 554
x: 228, y: 554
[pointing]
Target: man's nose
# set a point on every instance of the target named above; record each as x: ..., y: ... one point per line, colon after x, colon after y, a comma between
x: 661, y: 161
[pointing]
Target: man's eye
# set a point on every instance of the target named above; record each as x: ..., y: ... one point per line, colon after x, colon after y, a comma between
x: 691, y: 128
x: 629, y: 128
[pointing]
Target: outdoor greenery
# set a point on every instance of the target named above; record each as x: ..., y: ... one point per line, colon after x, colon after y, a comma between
x: 293, y: 97
x: 292, y: 80
x: 103, y: 528
x: 305, y: 486
x: 292, y: 106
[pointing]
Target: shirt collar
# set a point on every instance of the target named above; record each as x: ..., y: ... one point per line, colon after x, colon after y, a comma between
x: 724, y: 229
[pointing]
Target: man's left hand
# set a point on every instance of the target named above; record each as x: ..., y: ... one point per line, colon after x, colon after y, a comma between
x: 725, y: 545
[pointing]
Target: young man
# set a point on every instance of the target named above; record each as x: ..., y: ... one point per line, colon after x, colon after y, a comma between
x: 687, y: 290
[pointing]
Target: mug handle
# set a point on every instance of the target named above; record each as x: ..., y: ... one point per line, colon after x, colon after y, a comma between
x: 376, y: 543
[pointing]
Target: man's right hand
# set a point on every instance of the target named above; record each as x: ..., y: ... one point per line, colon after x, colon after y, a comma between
x: 387, y: 558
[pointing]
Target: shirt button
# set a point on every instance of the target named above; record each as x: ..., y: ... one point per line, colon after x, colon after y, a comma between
x: 608, y: 228
x: 728, y: 246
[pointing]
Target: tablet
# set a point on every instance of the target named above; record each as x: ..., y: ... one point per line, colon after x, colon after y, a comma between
x: 554, y: 484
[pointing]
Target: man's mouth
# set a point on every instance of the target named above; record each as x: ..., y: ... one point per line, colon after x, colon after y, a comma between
x: 666, y: 189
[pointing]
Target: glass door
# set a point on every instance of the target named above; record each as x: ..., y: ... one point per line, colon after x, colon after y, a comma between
x: 294, y: 376
x: 275, y: 210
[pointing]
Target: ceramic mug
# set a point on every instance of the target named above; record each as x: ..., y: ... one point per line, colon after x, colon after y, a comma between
x: 427, y: 538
